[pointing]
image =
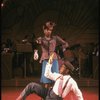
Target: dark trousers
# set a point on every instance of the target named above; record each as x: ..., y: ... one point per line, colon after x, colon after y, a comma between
x: 46, y: 94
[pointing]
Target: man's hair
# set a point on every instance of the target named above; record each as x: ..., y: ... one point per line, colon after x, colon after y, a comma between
x: 66, y: 71
x: 69, y: 65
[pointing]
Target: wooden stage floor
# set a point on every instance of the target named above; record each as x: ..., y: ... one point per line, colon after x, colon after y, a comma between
x: 11, y: 88
x: 11, y: 93
x: 20, y: 81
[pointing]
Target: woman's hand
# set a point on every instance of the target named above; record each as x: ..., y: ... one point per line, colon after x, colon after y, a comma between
x: 36, y: 56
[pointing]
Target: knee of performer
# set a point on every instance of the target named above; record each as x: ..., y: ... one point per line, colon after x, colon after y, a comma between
x: 32, y: 84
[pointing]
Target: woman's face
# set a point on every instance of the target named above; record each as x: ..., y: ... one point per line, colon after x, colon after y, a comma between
x: 47, y: 32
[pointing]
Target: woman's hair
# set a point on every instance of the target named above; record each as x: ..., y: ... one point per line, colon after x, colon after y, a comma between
x: 49, y: 25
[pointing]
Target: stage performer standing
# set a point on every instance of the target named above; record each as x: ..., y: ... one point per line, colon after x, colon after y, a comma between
x: 48, y: 44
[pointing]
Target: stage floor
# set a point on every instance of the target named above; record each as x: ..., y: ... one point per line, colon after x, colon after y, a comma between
x: 11, y: 93
x: 23, y: 81
x: 11, y: 88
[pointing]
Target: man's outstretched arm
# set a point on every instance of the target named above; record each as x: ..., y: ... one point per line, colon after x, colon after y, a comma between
x: 48, y: 73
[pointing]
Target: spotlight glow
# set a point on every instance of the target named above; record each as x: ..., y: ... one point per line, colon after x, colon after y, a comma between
x: 2, y: 4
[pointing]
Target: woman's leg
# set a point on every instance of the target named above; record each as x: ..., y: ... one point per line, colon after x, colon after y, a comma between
x: 55, y: 66
x: 46, y: 82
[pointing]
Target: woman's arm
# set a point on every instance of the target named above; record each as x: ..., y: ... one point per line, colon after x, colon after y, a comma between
x: 62, y: 42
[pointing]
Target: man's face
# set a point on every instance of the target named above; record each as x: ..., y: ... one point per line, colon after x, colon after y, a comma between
x: 63, y: 70
x: 47, y: 32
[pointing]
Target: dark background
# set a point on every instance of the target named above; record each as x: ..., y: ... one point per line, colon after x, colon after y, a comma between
x: 77, y: 20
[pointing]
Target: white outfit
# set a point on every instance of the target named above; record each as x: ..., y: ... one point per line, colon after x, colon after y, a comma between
x: 71, y: 86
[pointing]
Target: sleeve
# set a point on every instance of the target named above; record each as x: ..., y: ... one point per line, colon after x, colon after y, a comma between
x: 77, y: 91
x: 39, y: 40
x: 49, y: 74
x: 63, y: 43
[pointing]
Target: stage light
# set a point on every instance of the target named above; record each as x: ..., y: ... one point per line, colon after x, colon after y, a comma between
x: 2, y: 4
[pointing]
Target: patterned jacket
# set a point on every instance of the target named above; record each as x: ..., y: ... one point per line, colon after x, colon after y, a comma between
x: 49, y: 46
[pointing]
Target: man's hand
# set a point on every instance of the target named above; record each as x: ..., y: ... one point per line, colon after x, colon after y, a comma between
x: 51, y: 58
